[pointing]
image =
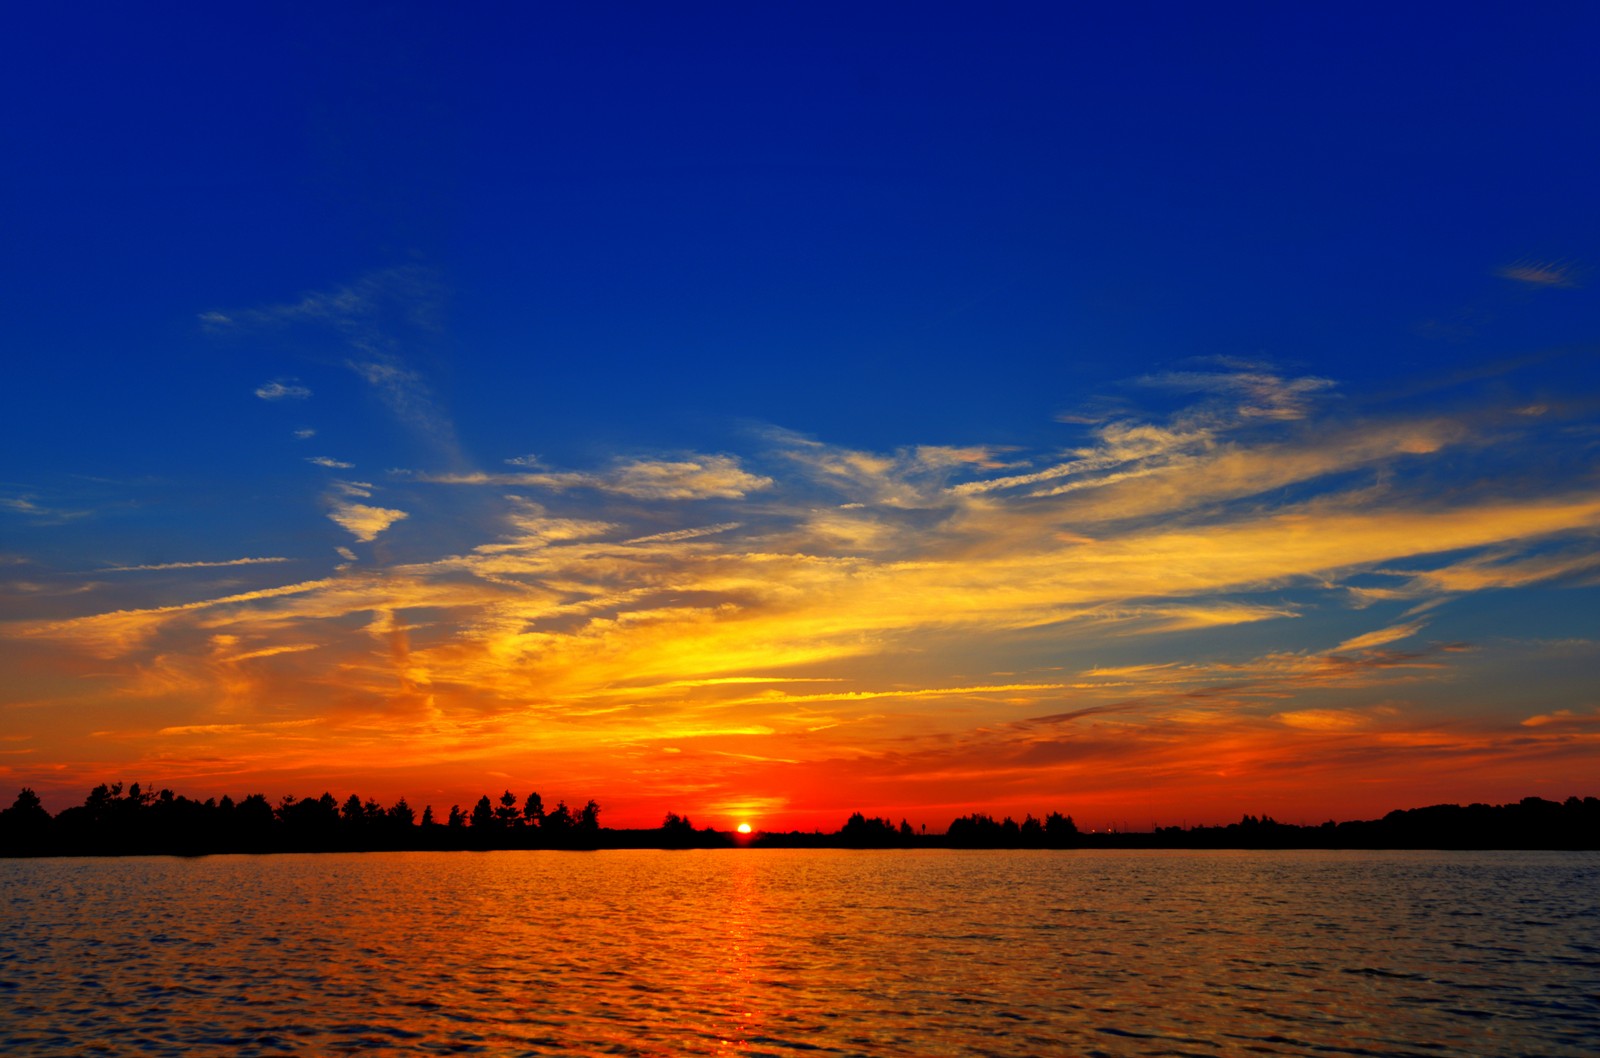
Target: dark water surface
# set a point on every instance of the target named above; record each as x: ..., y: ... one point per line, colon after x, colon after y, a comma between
x: 804, y: 952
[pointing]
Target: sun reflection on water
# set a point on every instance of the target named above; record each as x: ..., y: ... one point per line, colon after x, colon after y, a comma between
x: 732, y: 952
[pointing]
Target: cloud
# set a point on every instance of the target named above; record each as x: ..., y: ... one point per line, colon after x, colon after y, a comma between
x: 684, y: 534
x: 1541, y: 273
x: 1564, y: 718
x: 26, y: 505
x: 271, y: 652
x: 1129, y: 447
x: 1563, y: 560
x: 407, y: 394
x: 1324, y: 719
x: 985, y: 457
x: 331, y: 463
x: 22, y: 505
x: 365, y: 522
x: 304, y: 434
x: 1381, y: 637
x: 282, y: 389
x: 193, y: 565
x: 1253, y: 393
x: 696, y: 477
x: 381, y: 318
x: 830, y: 604
x: 1190, y: 472
x: 702, y: 477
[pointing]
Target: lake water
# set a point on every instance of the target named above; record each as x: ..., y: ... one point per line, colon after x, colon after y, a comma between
x: 776, y: 952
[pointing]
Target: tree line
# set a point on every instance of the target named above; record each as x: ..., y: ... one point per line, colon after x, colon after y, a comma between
x: 118, y: 820
x: 114, y: 820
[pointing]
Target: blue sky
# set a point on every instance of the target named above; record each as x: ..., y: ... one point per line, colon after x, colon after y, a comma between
x: 276, y: 275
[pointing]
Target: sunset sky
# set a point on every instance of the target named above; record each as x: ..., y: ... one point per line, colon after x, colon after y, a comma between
x: 763, y: 412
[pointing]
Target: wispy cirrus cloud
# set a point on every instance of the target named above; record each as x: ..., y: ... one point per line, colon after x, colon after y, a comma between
x: 690, y: 478
x: 1246, y: 391
x: 29, y: 506
x: 811, y: 593
x: 378, y: 317
x: 1128, y: 447
x: 198, y: 564
x: 330, y: 463
x: 1541, y: 273
x: 283, y: 389
x: 1382, y: 636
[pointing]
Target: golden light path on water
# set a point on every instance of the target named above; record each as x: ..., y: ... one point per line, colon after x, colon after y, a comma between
x: 764, y: 952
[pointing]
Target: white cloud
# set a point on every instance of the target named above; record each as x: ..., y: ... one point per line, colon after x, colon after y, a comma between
x: 282, y: 389
x: 331, y: 463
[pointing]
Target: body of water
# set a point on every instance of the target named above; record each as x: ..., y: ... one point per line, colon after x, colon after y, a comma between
x: 785, y: 952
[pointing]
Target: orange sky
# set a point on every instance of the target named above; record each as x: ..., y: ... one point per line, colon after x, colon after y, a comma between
x: 1247, y: 603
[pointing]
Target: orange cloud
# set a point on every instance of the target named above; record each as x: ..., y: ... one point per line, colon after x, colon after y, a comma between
x: 1150, y: 609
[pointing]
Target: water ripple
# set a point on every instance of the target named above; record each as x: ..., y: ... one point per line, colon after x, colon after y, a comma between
x: 789, y: 953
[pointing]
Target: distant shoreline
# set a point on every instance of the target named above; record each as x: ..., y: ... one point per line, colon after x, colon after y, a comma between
x: 113, y: 823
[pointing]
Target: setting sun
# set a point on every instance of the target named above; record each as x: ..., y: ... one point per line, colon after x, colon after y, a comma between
x: 744, y: 828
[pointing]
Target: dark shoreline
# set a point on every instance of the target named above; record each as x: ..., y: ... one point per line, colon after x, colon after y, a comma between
x: 110, y: 823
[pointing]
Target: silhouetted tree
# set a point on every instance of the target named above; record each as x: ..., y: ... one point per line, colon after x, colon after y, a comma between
x: 112, y: 821
x: 507, y: 815
x: 533, y: 809
x: 312, y: 823
x: 483, y: 814
x: 862, y: 832
x: 1059, y: 829
x: 98, y: 805
x: 559, y: 820
x: 401, y: 814
x: 26, y: 826
x: 27, y: 806
x: 252, y: 822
